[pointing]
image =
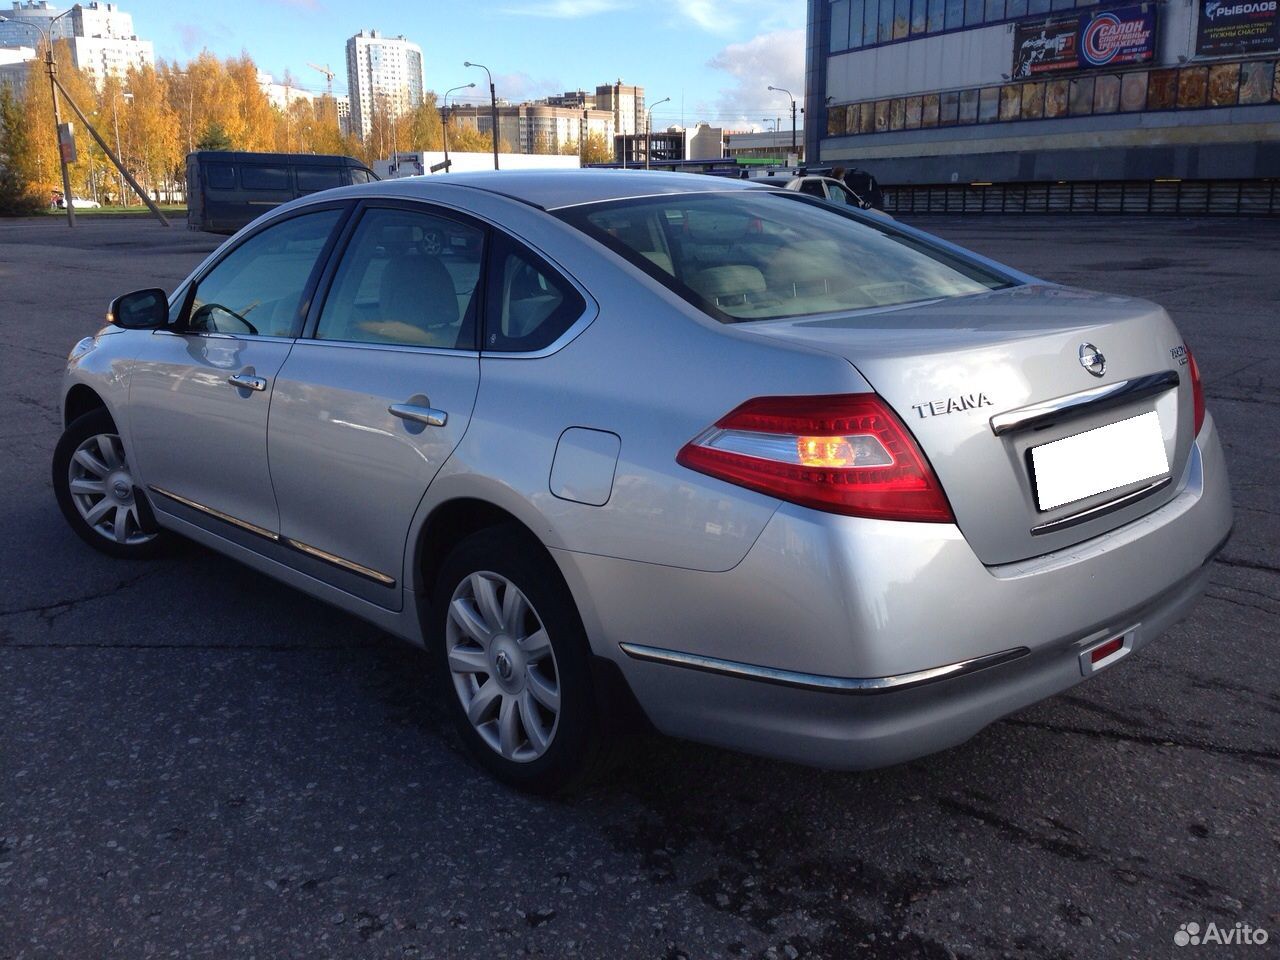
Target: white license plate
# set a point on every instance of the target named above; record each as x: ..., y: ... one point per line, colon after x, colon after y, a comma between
x: 1106, y: 458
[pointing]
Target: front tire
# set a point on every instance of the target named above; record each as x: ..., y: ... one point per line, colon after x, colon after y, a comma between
x: 97, y: 492
x: 516, y: 663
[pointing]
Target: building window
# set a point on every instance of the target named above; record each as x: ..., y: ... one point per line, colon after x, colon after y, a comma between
x: 840, y: 25
x: 886, y: 21
x: 919, y: 16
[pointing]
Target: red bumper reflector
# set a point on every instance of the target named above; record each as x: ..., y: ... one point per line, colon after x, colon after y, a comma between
x: 1100, y: 653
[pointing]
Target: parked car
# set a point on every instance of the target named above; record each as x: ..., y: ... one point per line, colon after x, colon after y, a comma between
x: 824, y: 188
x: 77, y: 203
x: 226, y: 190
x: 771, y: 473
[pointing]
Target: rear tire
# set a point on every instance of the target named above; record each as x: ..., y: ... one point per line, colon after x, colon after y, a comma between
x: 515, y: 663
x: 97, y: 492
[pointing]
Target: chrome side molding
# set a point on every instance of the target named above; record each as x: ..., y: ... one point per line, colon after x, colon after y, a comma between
x: 1099, y: 398
x: 216, y: 514
x: 333, y: 559
x: 819, y: 682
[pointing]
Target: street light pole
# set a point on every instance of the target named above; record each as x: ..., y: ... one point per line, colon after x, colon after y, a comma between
x: 115, y: 121
x: 444, y: 117
x: 493, y: 104
x: 648, y: 131
x: 52, y: 68
x: 793, y: 114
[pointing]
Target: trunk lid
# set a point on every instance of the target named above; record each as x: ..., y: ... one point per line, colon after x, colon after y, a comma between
x: 948, y: 367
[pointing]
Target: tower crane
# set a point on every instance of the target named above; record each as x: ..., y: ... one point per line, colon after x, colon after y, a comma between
x: 328, y: 76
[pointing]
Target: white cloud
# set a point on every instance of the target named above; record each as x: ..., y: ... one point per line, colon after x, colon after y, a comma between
x: 729, y: 16
x: 566, y: 9
x: 769, y: 59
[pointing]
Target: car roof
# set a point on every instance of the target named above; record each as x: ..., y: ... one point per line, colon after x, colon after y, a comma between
x: 554, y: 189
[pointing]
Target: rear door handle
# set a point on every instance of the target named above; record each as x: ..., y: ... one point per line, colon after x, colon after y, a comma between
x: 411, y: 411
x: 247, y: 381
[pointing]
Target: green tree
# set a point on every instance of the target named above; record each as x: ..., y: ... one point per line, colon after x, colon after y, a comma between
x: 16, y: 196
x: 214, y: 138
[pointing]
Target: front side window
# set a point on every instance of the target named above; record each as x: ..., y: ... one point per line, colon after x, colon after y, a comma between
x: 765, y: 254
x: 257, y: 288
x: 529, y: 304
x: 407, y: 278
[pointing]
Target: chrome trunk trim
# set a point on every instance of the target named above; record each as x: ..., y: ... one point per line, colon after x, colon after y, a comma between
x: 1101, y: 510
x: 1043, y: 414
x: 814, y: 681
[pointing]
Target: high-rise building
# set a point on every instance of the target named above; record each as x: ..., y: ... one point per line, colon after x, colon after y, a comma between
x: 101, y: 36
x: 383, y: 74
x: 626, y: 103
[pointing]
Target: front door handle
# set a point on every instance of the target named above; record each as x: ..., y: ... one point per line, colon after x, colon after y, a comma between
x: 411, y: 411
x: 247, y: 381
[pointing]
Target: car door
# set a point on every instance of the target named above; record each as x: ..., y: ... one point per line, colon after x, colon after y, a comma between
x: 373, y: 400
x: 200, y: 391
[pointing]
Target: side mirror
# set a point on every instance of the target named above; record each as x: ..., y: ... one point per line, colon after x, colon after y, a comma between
x: 140, y: 310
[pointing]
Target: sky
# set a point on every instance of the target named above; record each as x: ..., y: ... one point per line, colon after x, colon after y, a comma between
x: 713, y: 58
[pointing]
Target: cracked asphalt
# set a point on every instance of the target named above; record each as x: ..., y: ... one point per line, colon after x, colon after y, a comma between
x: 197, y: 762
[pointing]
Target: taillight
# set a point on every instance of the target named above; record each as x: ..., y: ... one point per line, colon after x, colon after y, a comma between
x: 1197, y: 391
x: 846, y: 453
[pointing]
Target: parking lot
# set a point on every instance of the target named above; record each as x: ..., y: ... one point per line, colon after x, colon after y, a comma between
x: 199, y: 762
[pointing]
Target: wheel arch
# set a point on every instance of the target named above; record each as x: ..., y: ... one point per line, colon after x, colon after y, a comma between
x: 452, y: 520
x: 79, y: 400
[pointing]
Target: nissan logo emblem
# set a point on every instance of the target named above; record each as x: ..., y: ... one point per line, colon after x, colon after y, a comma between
x: 1091, y: 359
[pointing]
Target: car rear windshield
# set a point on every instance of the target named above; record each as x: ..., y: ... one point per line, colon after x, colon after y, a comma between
x: 765, y: 254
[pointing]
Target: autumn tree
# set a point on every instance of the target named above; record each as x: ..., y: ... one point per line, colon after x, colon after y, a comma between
x: 149, y: 130
x: 16, y: 196
x: 596, y: 150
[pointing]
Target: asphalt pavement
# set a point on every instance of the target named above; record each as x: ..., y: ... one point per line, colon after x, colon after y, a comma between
x: 198, y: 762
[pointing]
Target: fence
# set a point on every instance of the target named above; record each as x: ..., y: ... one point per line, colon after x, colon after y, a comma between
x: 1168, y: 197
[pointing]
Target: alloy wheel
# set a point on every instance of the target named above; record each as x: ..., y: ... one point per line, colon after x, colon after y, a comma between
x: 101, y: 488
x: 502, y: 666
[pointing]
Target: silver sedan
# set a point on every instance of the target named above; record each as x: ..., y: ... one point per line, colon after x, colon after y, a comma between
x: 620, y: 446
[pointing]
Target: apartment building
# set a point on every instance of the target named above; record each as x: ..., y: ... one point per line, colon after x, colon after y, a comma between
x: 383, y: 74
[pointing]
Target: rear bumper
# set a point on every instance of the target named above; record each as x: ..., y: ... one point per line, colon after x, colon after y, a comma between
x: 857, y: 601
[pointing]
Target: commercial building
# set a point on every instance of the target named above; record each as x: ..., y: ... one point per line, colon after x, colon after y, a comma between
x: 1050, y: 104
x: 384, y: 75
x: 764, y: 145
x: 101, y: 35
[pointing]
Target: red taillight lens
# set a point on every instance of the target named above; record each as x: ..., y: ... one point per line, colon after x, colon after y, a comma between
x: 846, y: 453
x: 1197, y: 390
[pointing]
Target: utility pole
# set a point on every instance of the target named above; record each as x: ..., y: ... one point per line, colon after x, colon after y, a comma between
x: 493, y: 105
x: 63, y: 148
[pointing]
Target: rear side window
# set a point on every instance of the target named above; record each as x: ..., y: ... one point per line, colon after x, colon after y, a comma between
x: 265, y: 178
x: 220, y: 176
x: 311, y: 179
x: 764, y: 254
x: 528, y: 305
